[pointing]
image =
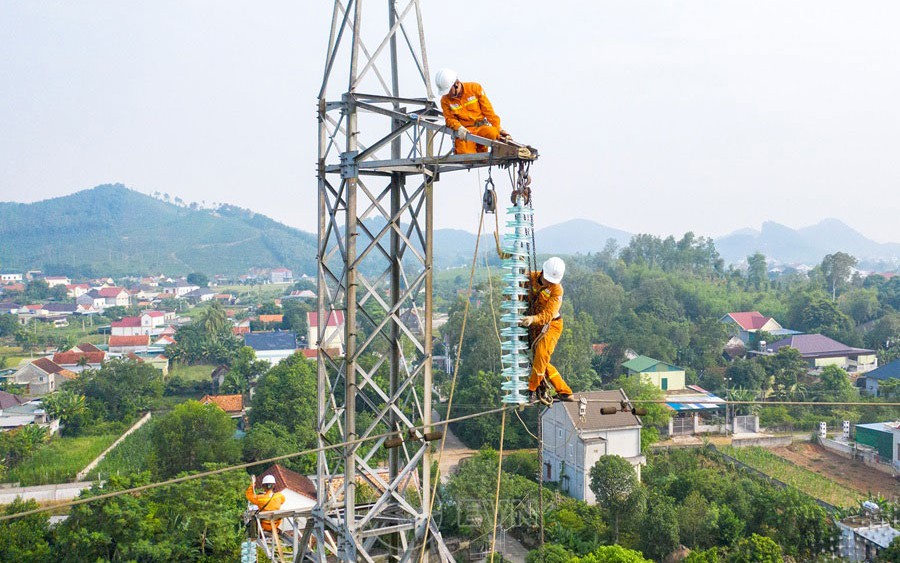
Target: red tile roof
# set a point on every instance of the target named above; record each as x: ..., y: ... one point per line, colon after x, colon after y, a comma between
x: 310, y: 353
x: 335, y: 318
x: 155, y: 313
x: 110, y: 291
x: 47, y: 365
x: 71, y: 358
x: 87, y: 347
x: 139, y: 340
x: 750, y: 320
x: 271, y: 318
x: 287, y: 479
x: 228, y: 403
x: 127, y: 322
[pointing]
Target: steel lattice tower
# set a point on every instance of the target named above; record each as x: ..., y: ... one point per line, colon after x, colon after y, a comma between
x: 379, y: 154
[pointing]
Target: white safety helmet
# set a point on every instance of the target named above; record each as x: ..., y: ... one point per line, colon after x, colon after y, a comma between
x: 554, y: 269
x: 269, y: 480
x: 444, y: 80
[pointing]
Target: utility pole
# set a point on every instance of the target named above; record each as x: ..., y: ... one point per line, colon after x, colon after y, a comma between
x: 381, y: 146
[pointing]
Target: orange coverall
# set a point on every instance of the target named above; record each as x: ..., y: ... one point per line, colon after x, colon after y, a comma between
x: 269, y: 500
x: 545, y: 302
x: 474, y: 111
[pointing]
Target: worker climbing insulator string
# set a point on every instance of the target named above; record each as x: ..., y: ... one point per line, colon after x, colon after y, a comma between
x: 514, y: 338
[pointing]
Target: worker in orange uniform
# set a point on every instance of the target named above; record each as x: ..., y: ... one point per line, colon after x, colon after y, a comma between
x: 545, y: 293
x: 467, y: 111
x: 266, y: 500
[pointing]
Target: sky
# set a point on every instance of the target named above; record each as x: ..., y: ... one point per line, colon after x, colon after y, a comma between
x: 650, y: 116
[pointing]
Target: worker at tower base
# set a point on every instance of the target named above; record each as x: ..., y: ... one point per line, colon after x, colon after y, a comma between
x: 467, y: 111
x: 545, y: 293
x: 266, y: 500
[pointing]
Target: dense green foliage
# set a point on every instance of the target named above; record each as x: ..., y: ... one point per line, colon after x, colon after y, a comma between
x: 119, y: 390
x: 191, y: 436
x: 284, y: 413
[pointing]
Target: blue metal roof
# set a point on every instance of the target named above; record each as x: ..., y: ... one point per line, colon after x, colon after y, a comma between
x: 265, y: 341
x: 687, y: 403
x: 887, y: 371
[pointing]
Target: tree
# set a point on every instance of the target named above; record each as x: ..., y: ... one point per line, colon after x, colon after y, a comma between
x: 659, y: 529
x: 614, y: 484
x: 861, y: 305
x: 891, y: 554
x: 786, y: 368
x: 198, y: 279
x: 756, y: 549
x: 213, y: 319
x: 70, y: 408
x: 25, y: 538
x: 836, y: 269
x: 549, y: 553
x: 245, y: 369
x: 748, y: 374
x: 612, y: 554
x: 757, y: 276
x: 9, y: 325
x: 270, y: 439
x: 120, y: 389
x: 191, y: 436
x: 286, y: 395
x: 696, y: 519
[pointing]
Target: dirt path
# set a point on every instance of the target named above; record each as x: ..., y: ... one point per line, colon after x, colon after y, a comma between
x: 851, y: 474
x: 454, y: 451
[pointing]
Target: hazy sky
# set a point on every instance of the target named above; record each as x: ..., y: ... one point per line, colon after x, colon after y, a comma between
x: 650, y: 116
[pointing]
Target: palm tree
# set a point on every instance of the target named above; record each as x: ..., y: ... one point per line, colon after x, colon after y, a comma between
x: 213, y: 319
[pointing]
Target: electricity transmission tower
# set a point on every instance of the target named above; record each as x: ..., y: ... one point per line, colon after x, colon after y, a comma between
x: 382, y: 144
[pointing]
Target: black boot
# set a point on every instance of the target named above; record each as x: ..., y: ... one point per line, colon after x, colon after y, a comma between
x: 565, y: 397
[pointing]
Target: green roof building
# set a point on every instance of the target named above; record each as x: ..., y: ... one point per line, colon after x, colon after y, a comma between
x: 666, y: 376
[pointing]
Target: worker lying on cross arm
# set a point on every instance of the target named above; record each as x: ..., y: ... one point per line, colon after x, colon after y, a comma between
x: 545, y: 293
x: 467, y: 110
x: 266, y: 500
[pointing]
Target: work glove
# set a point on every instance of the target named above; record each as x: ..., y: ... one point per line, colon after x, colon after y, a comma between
x: 527, y: 321
x: 462, y: 132
x: 504, y: 134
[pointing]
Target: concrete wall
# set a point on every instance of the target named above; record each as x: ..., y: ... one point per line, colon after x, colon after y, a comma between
x: 763, y: 442
x: 44, y: 493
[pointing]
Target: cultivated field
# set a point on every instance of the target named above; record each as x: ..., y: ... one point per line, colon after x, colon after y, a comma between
x: 850, y: 474
x: 816, y: 485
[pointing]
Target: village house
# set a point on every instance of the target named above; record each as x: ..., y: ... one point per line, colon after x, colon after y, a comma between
x: 80, y: 358
x: 126, y: 344
x: 76, y: 290
x: 887, y: 375
x: 281, y: 275
x: 16, y: 412
x: 272, y: 346
x: 199, y: 295
x: 10, y: 278
x: 332, y: 337
x: 178, y: 288
x: 233, y: 405
x: 661, y: 374
x: 53, y: 281
x: 884, y: 438
x: 41, y: 376
x: 92, y: 299
x: 576, y: 436
x: 744, y: 325
x: 819, y: 351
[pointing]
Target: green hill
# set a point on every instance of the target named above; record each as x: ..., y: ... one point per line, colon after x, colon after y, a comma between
x: 113, y: 230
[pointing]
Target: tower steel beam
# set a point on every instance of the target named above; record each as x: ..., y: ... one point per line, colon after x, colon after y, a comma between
x: 378, y: 157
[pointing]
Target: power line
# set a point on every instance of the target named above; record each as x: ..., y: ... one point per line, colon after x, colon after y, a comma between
x: 242, y: 466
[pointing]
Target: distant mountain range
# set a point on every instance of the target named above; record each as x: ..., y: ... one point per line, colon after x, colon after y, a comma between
x: 114, y: 230
x: 807, y: 245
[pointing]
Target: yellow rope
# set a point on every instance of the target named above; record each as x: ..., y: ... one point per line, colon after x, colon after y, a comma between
x: 462, y: 332
x: 497, y: 490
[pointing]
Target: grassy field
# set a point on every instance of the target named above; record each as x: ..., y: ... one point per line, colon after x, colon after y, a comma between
x: 813, y: 484
x: 60, y: 460
x: 132, y: 455
x: 200, y: 372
